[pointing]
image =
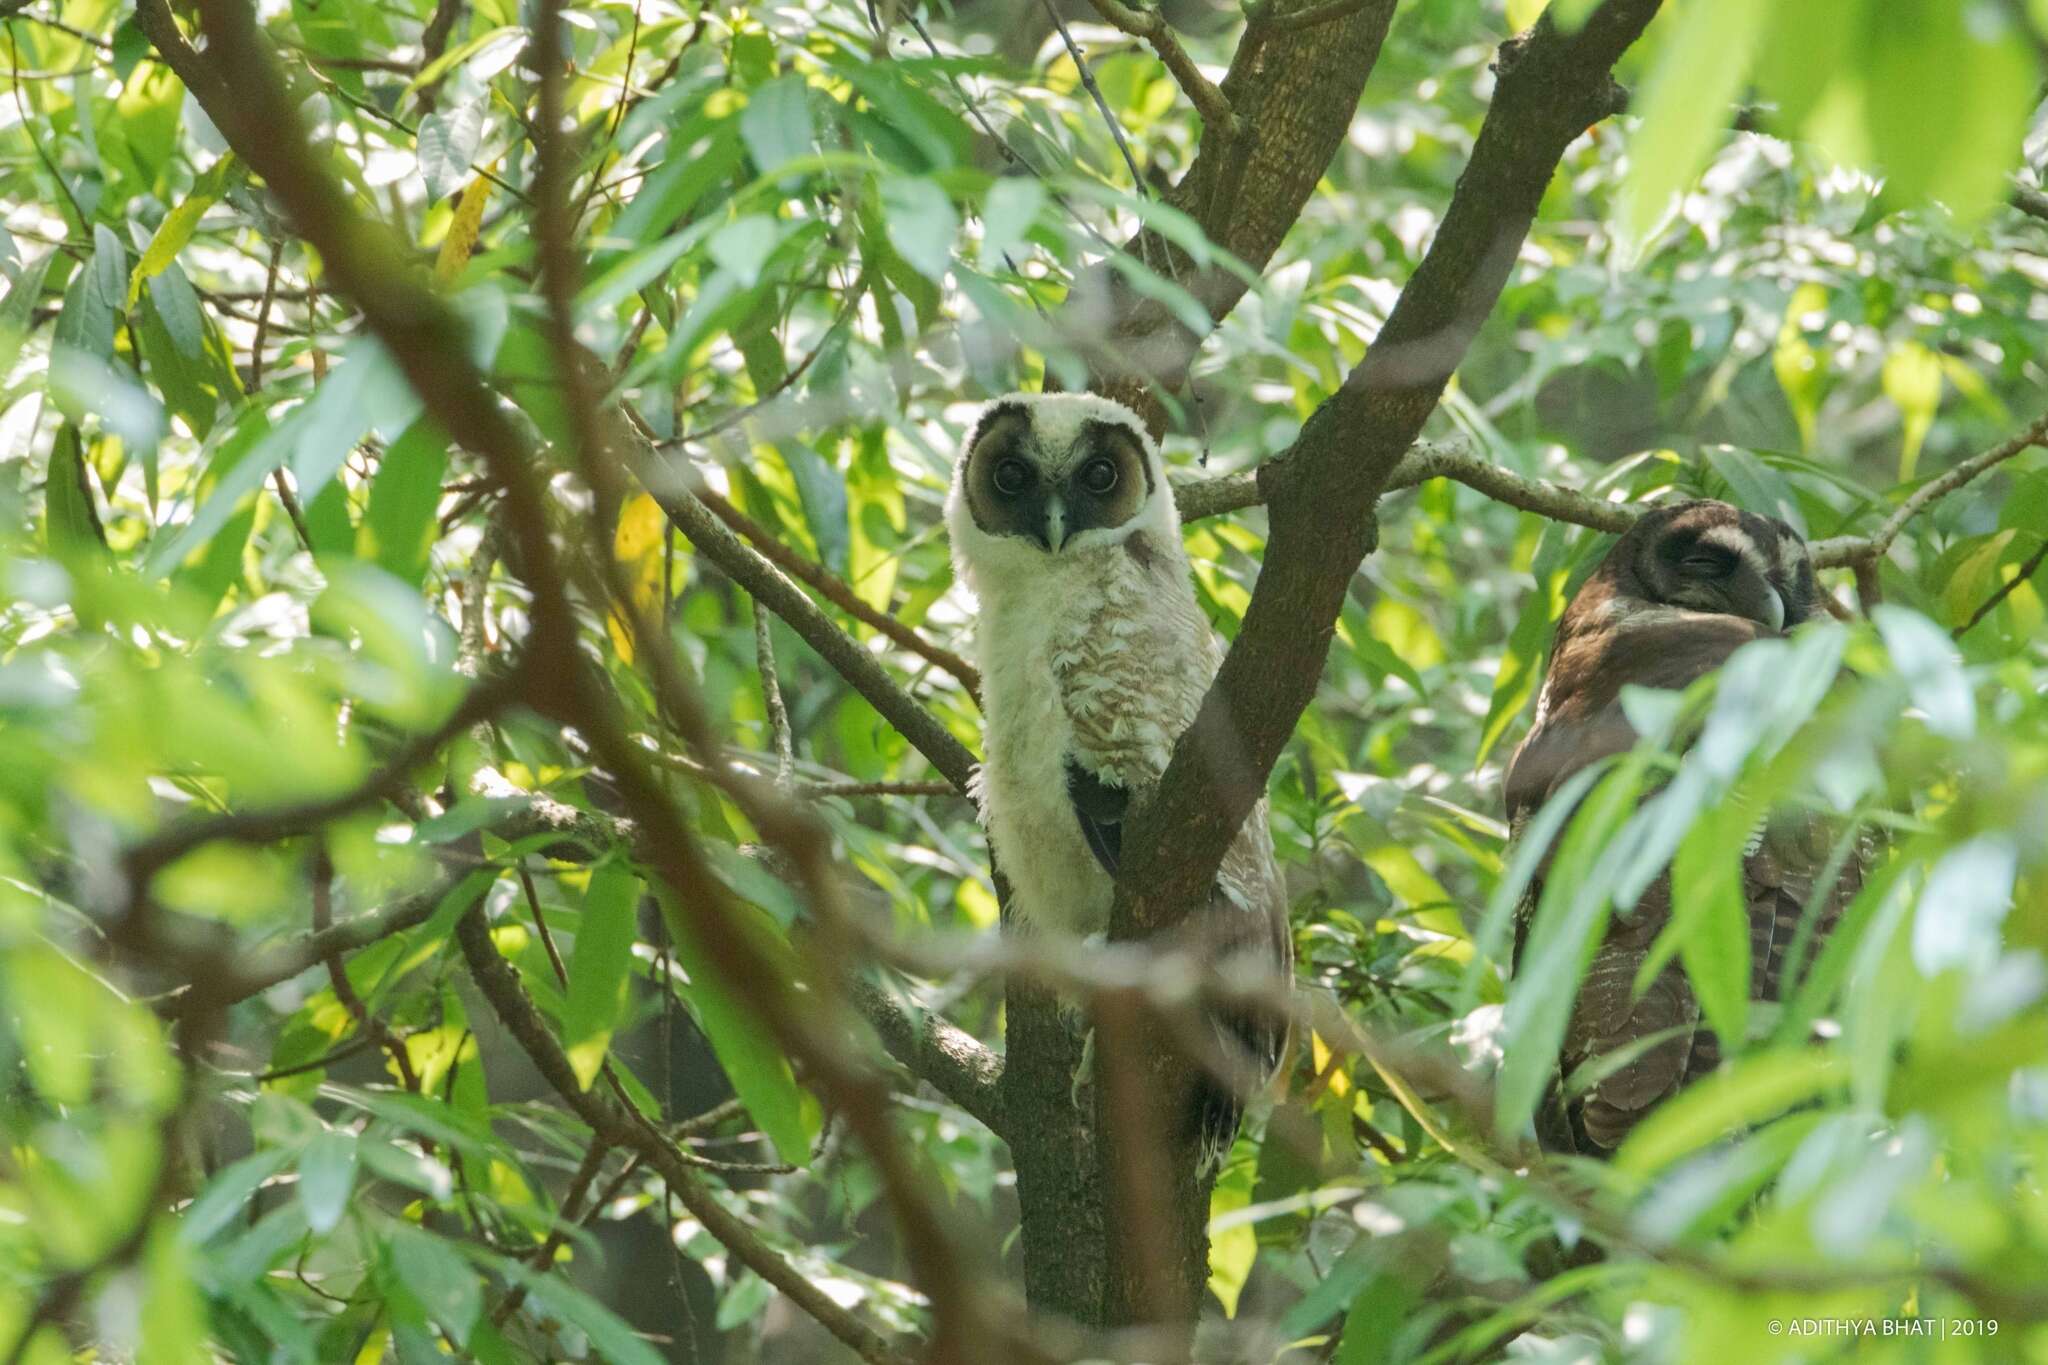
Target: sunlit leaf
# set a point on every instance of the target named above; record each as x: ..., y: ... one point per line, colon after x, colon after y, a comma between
x: 600, y: 968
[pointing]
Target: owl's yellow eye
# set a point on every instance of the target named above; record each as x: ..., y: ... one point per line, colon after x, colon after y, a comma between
x: 1012, y: 477
x: 1098, y: 476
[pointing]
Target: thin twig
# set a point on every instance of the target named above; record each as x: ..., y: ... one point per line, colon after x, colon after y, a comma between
x: 836, y: 591
x: 1842, y: 550
x: 781, y: 743
x: 268, y: 824
x: 1151, y: 26
x: 1116, y: 129
x: 2005, y: 590
x: 369, y: 1024
x: 620, y: 1128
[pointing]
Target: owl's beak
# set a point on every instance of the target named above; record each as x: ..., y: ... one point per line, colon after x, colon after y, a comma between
x: 1055, y: 523
x: 1774, y: 605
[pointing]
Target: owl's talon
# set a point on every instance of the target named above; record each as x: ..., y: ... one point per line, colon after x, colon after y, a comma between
x: 1084, y: 1072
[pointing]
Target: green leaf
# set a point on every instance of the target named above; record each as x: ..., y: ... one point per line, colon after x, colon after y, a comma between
x: 175, y: 232
x: 1007, y: 215
x: 1971, y: 77
x: 1968, y: 895
x: 1756, y: 486
x: 743, y: 246
x: 1686, y: 107
x: 435, y: 1274
x: 1377, y: 1316
x: 677, y: 184
x: 601, y: 967
x: 611, y: 1339
x: 448, y: 141
x: 327, y: 1176
x: 1532, y: 845
x: 922, y: 224
x: 96, y: 299
x: 214, y: 570
x: 1745, y: 1092
x: 777, y: 124
x: 366, y: 392
x: 1710, y: 918
x: 1570, y: 918
x: 186, y: 356
x: 170, y: 1303
x: 1521, y: 663
x: 1912, y: 380
x: 228, y: 1193
x: 71, y: 521
x: 822, y: 490
x: 758, y: 1070
x: 17, y: 311
x: 1335, y: 1289
x: 329, y: 529
x: 399, y: 524
x: 1807, y: 55
x: 1926, y: 658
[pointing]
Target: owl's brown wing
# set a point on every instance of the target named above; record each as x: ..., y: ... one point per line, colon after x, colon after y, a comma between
x: 1639, y: 1049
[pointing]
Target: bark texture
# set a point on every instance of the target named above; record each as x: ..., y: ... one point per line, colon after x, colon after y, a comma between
x: 1294, y: 95
x: 1320, y: 497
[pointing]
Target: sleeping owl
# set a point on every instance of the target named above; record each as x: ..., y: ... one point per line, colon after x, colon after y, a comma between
x: 1680, y: 592
x: 1094, y: 658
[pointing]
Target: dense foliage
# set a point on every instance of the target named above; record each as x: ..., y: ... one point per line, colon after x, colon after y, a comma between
x: 251, y: 583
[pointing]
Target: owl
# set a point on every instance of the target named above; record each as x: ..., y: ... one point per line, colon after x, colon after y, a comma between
x: 1094, y: 658
x: 1677, y: 594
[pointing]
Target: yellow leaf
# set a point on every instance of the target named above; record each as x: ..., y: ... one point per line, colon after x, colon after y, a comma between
x: 1234, y: 1247
x: 462, y: 231
x: 1795, y: 361
x: 978, y: 904
x: 641, y: 524
x: 1431, y: 908
x: 1319, y: 1053
x: 638, y: 543
x: 1912, y: 380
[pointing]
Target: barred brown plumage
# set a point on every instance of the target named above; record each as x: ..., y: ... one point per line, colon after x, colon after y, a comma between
x: 1675, y: 596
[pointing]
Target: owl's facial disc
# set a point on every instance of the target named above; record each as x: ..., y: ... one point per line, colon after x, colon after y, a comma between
x: 1053, y: 498
x: 1712, y: 557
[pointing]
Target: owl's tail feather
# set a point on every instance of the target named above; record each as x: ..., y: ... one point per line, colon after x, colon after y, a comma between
x: 1254, y: 1044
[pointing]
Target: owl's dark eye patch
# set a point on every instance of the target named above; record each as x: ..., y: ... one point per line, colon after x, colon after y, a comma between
x: 1011, y: 477
x: 1098, y: 476
x: 1709, y: 561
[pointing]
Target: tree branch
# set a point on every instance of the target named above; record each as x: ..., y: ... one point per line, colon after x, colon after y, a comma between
x: 2031, y: 202
x: 1850, y: 549
x: 1151, y: 26
x: 1293, y: 96
x: 1424, y: 461
x: 1321, y: 496
x: 953, y: 1061
x: 2005, y: 590
x: 529, y: 814
x: 618, y: 1127
x: 145, y: 859
x: 836, y: 590
x: 767, y: 584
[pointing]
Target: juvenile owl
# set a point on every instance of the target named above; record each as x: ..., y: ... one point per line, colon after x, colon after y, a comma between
x: 1094, y: 658
x: 1682, y: 590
